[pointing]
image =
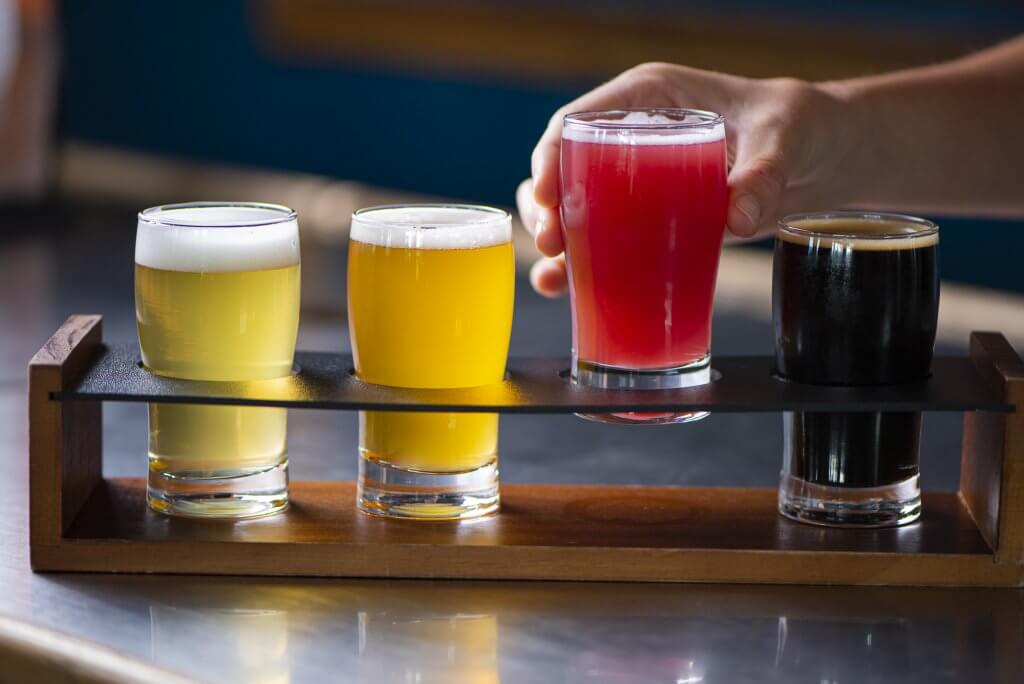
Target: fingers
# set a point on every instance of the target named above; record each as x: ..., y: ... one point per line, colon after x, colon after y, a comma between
x: 641, y: 86
x: 757, y: 183
x: 549, y: 277
x: 527, y: 207
x: 544, y: 162
x: 549, y: 233
x: 543, y: 224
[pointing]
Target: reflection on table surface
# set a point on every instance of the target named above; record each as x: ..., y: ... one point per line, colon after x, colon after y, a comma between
x: 275, y: 631
x: 238, y: 644
x: 460, y: 648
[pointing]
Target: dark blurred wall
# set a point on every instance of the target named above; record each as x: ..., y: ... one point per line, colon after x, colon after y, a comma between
x: 188, y: 79
x: 448, y: 97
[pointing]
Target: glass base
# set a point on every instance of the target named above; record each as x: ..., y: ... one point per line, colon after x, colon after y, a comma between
x: 393, y: 492
x: 616, y: 378
x: 886, y: 506
x: 231, y: 494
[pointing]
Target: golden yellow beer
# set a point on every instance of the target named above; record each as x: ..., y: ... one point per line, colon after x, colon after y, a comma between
x: 431, y: 318
x: 217, y: 302
x: 431, y: 293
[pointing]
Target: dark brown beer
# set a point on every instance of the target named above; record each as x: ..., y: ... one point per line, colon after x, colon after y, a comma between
x: 856, y: 302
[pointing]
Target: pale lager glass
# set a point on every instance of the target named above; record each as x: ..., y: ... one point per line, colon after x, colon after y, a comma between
x: 217, y: 298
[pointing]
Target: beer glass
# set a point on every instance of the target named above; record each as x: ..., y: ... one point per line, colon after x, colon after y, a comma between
x: 855, y: 302
x: 217, y: 298
x: 430, y: 294
x: 643, y: 205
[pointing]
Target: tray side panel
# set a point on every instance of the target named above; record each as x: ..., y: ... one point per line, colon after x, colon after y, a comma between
x: 65, y: 447
x: 992, y: 470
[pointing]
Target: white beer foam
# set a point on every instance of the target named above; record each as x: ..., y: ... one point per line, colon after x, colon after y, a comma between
x: 216, y: 239
x: 432, y: 227
x: 644, y: 129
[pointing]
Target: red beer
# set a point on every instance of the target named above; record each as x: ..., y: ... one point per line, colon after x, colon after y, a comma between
x: 643, y: 205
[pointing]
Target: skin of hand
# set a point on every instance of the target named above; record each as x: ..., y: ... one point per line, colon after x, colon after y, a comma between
x: 943, y: 138
x: 784, y: 137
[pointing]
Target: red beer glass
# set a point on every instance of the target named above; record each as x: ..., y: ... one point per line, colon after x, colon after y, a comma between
x: 643, y: 206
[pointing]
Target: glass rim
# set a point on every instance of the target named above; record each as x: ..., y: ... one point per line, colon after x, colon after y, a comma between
x: 152, y: 216
x: 922, y: 226
x: 491, y: 215
x: 709, y: 119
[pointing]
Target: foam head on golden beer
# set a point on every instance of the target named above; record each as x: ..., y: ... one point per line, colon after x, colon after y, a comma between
x: 217, y: 302
x: 217, y: 298
x: 430, y: 306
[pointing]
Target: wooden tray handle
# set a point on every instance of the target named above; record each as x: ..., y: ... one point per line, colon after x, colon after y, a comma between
x: 992, y: 466
x: 65, y: 438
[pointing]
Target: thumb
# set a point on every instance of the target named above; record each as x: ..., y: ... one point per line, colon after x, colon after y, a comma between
x: 757, y: 184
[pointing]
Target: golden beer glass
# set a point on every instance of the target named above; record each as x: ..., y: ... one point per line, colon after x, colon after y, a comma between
x: 430, y: 295
x: 217, y: 298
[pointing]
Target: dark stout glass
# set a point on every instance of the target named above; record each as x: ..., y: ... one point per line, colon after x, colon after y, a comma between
x: 855, y: 302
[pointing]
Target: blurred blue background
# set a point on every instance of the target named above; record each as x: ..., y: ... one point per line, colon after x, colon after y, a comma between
x: 448, y: 98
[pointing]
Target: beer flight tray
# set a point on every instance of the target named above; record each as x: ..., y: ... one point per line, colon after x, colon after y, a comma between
x: 81, y: 521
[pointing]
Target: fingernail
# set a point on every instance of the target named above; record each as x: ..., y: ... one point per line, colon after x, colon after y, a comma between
x: 537, y: 229
x: 749, y: 207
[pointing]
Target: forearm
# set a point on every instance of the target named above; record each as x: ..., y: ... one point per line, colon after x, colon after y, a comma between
x: 947, y: 138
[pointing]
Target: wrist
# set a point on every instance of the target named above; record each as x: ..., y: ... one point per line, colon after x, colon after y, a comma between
x: 855, y: 133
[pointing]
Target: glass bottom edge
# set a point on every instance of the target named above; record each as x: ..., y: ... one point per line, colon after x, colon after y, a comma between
x: 389, y: 491
x: 602, y: 376
x: 247, y: 494
x: 892, y: 505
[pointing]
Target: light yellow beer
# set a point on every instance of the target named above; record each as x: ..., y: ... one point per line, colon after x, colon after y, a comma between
x: 217, y: 302
x: 430, y: 292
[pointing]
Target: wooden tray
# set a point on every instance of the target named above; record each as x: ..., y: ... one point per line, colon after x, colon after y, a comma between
x: 81, y: 522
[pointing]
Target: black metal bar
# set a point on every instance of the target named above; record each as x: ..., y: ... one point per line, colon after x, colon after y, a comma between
x: 325, y: 381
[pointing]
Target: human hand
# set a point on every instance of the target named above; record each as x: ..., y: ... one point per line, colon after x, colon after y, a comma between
x: 785, y: 140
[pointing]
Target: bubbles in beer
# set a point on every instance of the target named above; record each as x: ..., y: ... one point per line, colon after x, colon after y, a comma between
x: 217, y: 239
x: 432, y: 227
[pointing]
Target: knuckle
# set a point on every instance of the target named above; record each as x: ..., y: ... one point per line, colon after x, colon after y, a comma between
x: 555, y: 121
x: 650, y: 69
x: 794, y: 95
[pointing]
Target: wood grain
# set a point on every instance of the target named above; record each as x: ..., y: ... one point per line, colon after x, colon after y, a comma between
x: 65, y: 449
x: 663, y: 534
